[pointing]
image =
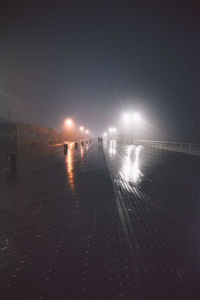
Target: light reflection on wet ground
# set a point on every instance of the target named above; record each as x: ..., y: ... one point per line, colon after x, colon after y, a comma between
x: 82, y: 151
x: 158, y: 200
x: 129, y: 159
x: 61, y: 236
x: 112, y: 148
x: 131, y: 165
x: 69, y: 158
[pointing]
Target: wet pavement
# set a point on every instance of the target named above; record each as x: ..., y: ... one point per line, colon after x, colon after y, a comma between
x: 102, y: 222
x: 61, y: 235
x: 25, y: 154
x: 158, y: 197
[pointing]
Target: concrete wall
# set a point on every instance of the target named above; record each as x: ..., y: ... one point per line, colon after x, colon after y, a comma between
x: 32, y: 134
x: 26, y: 134
x: 8, y: 134
x: 8, y: 141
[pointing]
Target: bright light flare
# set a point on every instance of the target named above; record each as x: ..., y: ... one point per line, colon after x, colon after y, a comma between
x: 81, y: 128
x: 131, y: 117
x: 112, y: 130
x: 69, y: 122
x: 87, y: 131
x: 126, y: 118
x: 137, y: 117
x: 105, y: 134
x: 131, y: 166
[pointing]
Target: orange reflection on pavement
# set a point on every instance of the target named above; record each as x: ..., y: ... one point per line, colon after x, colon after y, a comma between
x: 82, y: 152
x: 69, y: 160
x: 70, y: 171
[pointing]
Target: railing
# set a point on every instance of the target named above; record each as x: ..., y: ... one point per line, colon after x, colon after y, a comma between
x: 188, y: 148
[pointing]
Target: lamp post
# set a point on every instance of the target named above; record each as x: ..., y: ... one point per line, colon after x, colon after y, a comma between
x: 131, y: 121
x: 126, y: 119
x: 136, y: 121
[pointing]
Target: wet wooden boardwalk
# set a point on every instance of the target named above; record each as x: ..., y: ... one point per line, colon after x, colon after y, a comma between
x: 61, y: 235
x: 158, y: 196
x: 111, y: 222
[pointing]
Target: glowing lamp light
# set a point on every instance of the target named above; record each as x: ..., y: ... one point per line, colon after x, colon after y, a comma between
x: 137, y: 117
x: 112, y: 130
x: 81, y: 128
x: 69, y: 122
x: 105, y: 134
x: 87, y: 131
x: 126, y: 118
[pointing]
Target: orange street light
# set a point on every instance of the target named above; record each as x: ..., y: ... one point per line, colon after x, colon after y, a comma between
x: 69, y: 122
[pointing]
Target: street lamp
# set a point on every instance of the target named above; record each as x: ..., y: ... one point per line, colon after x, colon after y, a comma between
x: 112, y: 130
x: 69, y: 122
x: 87, y: 131
x: 105, y: 134
x: 131, y: 120
x: 137, y: 121
x: 81, y: 128
x: 126, y: 118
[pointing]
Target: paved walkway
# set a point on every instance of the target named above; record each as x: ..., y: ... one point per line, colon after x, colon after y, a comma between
x: 158, y: 197
x: 122, y: 223
x: 61, y: 235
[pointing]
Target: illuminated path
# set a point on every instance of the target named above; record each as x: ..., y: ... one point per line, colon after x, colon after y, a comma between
x: 82, y: 227
x: 158, y: 197
x: 61, y: 232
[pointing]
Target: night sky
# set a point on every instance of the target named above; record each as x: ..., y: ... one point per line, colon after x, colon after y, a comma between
x: 93, y: 61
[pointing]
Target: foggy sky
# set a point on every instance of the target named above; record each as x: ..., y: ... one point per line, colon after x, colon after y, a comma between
x: 93, y: 61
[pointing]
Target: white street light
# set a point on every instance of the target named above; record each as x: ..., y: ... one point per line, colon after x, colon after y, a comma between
x: 137, y: 117
x: 132, y: 122
x: 105, y: 134
x: 126, y: 118
x: 112, y: 130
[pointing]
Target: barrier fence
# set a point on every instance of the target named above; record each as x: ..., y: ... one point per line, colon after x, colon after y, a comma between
x: 188, y: 148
